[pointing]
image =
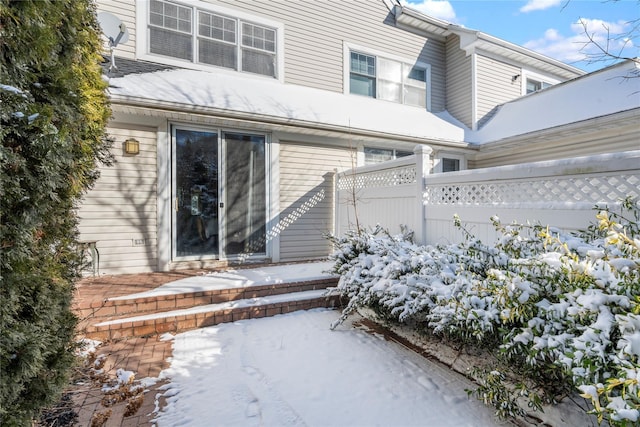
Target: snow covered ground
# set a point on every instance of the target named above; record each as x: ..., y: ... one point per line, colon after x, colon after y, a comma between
x: 241, y: 278
x: 292, y: 370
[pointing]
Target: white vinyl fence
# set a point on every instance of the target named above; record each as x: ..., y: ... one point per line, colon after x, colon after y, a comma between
x: 560, y: 193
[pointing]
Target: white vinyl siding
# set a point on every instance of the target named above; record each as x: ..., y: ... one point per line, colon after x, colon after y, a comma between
x: 314, y: 34
x: 306, y: 198
x: 495, y: 85
x: 459, y: 89
x: 612, y: 136
x: 121, y: 207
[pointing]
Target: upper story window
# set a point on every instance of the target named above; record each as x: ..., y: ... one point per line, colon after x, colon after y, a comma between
x: 533, y: 82
x: 389, y: 79
x: 202, y: 36
x: 535, y: 85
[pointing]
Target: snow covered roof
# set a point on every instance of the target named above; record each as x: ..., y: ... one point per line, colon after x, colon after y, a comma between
x: 236, y: 95
x: 612, y: 90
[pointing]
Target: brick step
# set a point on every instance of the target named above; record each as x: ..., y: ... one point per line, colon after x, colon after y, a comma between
x: 211, y: 314
x: 119, y: 307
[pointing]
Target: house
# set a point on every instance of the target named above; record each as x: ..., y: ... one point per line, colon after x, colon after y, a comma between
x: 242, y: 111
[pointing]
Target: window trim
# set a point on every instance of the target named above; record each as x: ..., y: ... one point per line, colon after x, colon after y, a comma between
x: 166, y: 214
x: 348, y: 48
x: 437, y: 167
x: 530, y: 75
x: 142, y: 39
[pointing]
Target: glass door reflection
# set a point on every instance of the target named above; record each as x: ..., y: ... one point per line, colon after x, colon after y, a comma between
x: 196, y: 194
x: 245, y: 194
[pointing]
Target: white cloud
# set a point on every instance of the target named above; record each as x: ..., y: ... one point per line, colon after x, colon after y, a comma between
x: 598, y: 26
x: 539, y: 5
x: 441, y: 9
x: 577, y: 46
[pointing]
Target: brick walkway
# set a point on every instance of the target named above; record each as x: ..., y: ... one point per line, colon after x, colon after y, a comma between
x: 146, y: 357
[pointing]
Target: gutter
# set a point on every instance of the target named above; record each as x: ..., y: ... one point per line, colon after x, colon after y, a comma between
x: 528, y: 52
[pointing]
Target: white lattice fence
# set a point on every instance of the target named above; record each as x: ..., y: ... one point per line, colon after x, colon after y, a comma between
x: 561, y: 193
x: 379, y: 178
x: 384, y: 194
x: 555, y: 190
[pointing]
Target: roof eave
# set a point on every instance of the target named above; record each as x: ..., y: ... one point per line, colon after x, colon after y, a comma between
x: 527, y: 56
x: 410, y: 19
x: 472, y: 40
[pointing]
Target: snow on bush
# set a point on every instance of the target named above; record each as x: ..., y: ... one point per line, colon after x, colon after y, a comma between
x: 563, y: 308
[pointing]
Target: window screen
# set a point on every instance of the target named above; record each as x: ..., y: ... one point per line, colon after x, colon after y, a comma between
x: 415, y: 86
x: 216, y: 40
x: 258, y: 37
x: 258, y: 49
x: 379, y: 155
x: 258, y: 63
x: 172, y: 33
x: 390, y: 80
x: 535, y: 85
x: 363, y: 74
x: 216, y: 27
x: 450, y: 165
x: 387, y: 79
x: 170, y: 30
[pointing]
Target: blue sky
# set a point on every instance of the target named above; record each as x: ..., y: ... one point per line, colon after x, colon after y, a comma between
x: 551, y: 27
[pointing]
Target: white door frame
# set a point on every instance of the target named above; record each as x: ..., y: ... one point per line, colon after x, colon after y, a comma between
x: 167, y: 250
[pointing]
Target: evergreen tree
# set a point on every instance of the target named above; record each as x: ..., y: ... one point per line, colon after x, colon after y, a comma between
x: 52, y: 118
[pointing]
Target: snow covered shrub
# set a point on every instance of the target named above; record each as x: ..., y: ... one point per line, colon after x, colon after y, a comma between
x: 375, y: 270
x: 563, y: 310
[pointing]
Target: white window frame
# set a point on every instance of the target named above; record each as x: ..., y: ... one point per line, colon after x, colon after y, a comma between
x: 437, y: 161
x: 348, y: 48
x: 142, y: 37
x: 167, y: 228
x: 394, y: 153
x: 530, y: 75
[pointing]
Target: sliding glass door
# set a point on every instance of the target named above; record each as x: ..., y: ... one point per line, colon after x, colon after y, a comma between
x: 245, y: 198
x: 196, y: 189
x: 219, y: 191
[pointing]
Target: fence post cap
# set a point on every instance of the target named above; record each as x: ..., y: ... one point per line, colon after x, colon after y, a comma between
x: 423, y: 149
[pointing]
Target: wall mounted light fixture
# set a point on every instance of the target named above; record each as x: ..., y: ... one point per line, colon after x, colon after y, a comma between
x: 132, y: 146
x: 515, y: 78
